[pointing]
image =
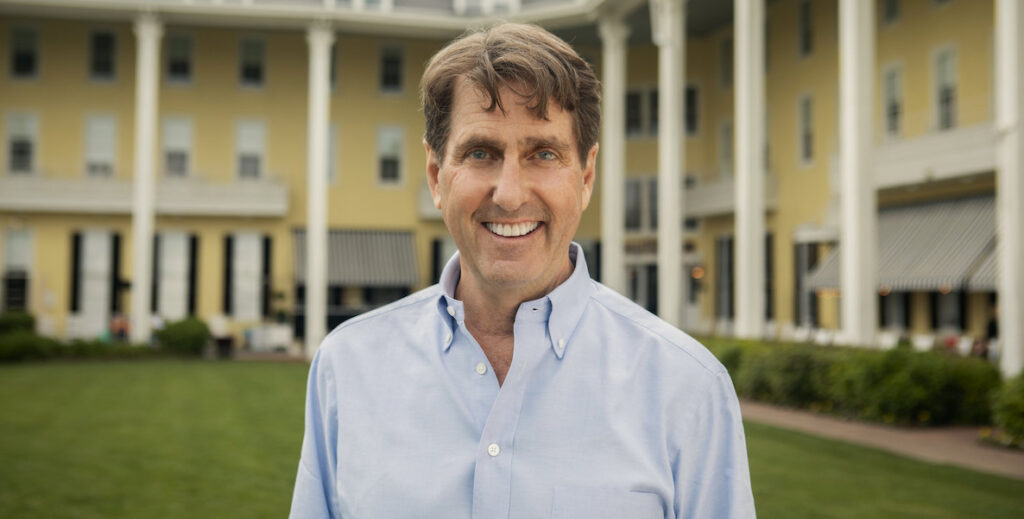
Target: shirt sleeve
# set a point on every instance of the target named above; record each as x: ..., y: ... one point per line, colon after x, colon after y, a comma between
x: 712, y: 476
x: 316, y: 493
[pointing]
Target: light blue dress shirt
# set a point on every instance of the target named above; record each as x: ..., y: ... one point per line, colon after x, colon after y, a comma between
x: 606, y: 411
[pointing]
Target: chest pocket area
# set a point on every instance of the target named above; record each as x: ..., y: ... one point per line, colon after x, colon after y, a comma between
x: 605, y: 503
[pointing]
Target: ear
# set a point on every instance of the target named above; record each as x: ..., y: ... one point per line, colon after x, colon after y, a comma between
x: 433, y: 170
x: 588, y: 175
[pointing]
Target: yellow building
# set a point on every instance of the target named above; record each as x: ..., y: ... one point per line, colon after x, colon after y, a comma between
x: 208, y: 140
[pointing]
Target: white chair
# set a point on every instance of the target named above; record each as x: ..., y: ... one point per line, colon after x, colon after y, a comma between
x: 923, y: 341
x: 888, y: 339
x: 823, y: 337
x: 802, y: 334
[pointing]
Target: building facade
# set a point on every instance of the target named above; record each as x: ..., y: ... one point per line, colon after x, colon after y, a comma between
x: 840, y: 171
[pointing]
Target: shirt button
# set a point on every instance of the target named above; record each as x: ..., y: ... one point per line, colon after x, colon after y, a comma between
x: 448, y: 338
x: 561, y: 343
x: 493, y: 449
x: 451, y: 311
x: 481, y: 368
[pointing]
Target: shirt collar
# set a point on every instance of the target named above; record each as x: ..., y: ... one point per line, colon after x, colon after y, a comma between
x: 563, y: 307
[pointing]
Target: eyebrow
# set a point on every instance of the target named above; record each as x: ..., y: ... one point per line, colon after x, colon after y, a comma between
x: 532, y: 143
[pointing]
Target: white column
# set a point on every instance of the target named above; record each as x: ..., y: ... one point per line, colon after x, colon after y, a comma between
x: 749, y: 89
x: 668, y: 29
x: 1009, y: 182
x: 148, y: 31
x: 614, y: 35
x: 859, y: 221
x: 320, y: 36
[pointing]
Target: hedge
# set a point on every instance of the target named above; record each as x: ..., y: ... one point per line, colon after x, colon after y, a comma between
x: 185, y: 337
x: 15, y: 321
x: 1008, y: 410
x: 895, y: 386
x: 23, y: 345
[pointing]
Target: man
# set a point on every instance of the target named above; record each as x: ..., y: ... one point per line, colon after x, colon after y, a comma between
x: 517, y: 387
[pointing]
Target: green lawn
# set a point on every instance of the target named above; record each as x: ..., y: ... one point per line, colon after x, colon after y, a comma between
x: 181, y: 439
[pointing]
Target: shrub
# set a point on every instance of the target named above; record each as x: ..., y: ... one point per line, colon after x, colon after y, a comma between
x: 22, y: 345
x: 14, y: 321
x: 1008, y: 409
x: 185, y: 337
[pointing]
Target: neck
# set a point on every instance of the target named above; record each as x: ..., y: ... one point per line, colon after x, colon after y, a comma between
x: 491, y: 310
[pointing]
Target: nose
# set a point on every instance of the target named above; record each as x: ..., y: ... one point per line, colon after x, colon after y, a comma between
x: 510, y: 192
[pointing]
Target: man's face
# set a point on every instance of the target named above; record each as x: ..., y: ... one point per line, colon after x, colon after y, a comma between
x: 511, y: 189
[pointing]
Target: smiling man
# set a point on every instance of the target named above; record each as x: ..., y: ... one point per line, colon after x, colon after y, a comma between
x: 517, y: 387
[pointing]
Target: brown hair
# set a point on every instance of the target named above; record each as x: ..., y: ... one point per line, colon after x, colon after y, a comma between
x: 526, y: 59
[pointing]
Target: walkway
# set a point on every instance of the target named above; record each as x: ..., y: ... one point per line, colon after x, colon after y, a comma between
x: 944, y: 445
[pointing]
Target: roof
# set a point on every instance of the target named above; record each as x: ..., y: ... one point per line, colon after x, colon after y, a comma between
x: 925, y: 247
x: 364, y: 258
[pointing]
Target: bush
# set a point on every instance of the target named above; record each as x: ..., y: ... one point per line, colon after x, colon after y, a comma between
x: 1008, y: 409
x: 895, y: 386
x: 22, y: 345
x: 14, y: 321
x: 185, y: 337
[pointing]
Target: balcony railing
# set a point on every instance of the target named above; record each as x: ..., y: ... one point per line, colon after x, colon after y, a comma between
x: 718, y: 197
x: 180, y: 197
x: 935, y: 156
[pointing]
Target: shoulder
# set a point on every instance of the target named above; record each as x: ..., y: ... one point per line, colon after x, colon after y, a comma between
x: 671, y: 344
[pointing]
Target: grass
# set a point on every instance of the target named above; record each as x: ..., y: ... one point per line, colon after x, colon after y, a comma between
x: 171, y: 439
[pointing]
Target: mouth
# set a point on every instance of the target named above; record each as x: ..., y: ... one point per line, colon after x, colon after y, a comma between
x: 512, y: 230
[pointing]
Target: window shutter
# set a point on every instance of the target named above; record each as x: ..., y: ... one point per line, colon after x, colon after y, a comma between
x: 155, y: 280
x: 228, y: 262
x: 193, y: 253
x: 115, y: 272
x: 265, y: 285
x: 76, y: 262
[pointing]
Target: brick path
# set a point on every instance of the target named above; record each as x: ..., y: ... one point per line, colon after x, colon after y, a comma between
x: 943, y: 445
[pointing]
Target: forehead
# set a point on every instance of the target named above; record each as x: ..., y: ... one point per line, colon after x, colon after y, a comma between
x: 470, y: 116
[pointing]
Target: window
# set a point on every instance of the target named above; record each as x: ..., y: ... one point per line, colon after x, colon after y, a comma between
x: 692, y: 110
x: 893, y: 101
x: 246, y: 283
x: 948, y: 311
x: 177, y: 145
x: 725, y: 62
x: 634, y: 113
x: 643, y: 285
x: 945, y: 89
x: 890, y: 11
x: 725, y: 149
x: 642, y: 112
x: 179, y: 59
x: 391, y: 70
x: 250, y: 139
x: 100, y: 145
x: 806, y: 129
x: 173, y: 282
x: 806, y: 35
x: 17, y: 264
x: 894, y: 311
x: 24, y: 53
x: 252, y: 56
x: 806, y: 300
x: 723, y: 278
x: 389, y: 155
x: 21, y: 143
x: 101, y: 55
x: 641, y: 204
x: 332, y: 153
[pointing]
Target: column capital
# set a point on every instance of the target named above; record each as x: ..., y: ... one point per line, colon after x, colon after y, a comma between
x: 148, y: 25
x: 666, y: 22
x: 320, y: 32
x: 613, y: 29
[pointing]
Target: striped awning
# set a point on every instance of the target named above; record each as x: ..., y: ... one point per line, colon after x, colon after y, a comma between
x: 925, y: 247
x: 364, y: 258
x: 985, y: 278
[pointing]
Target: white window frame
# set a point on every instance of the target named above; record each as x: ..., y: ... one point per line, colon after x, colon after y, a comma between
x: 13, y: 32
x: 96, y: 150
x: 171, y: 127
x: 113, y: 56
x: 385, y: 133
x: 189, y: 46
x: 29, y: 128
x: 937, y: 86
x: 386, y: 51
x: 801, y: 127
x: 258, y: 43
x: 897, y: 69
x: 251, y: 139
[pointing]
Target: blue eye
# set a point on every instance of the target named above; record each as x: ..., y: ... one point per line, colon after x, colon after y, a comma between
x: 478, y: 154
x: 547, y: 155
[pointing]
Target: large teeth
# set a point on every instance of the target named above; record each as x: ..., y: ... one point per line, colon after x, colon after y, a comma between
x: 512, y: 230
